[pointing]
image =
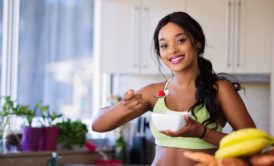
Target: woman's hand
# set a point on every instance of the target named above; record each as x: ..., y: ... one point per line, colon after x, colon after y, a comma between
x: 109, y: 118
x: 132, y: 101
x: 192, y: 128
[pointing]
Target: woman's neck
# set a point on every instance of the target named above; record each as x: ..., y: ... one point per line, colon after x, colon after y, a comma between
x: 186, y: 79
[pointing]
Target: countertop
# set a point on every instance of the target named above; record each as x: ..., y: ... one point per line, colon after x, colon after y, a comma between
x: 67, y: 158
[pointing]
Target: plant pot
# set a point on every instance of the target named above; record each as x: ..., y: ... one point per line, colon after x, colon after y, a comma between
x: 49, y: 138
x: 31, y: 137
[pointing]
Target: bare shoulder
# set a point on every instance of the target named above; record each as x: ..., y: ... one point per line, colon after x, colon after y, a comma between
x: 225, y: 86
x: 226, y: 92
x: 232, y: 106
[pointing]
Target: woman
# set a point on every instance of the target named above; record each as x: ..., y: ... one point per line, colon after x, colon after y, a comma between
x: 179, y: 43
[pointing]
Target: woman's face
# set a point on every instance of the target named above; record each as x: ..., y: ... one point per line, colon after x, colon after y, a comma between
x: 176, y: 49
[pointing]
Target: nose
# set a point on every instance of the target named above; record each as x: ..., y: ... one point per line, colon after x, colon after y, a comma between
x: 173, y: 49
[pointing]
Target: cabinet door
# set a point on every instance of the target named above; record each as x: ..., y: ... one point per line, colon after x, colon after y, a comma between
x: 154, y: 10
x: 255, y: 40
x: 124, y: 32
x: 239, y: 33
x: 215, y: 17
x: 116, y: 35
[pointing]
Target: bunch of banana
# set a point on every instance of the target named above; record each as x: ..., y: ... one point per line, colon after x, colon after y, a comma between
x: 244, y: 142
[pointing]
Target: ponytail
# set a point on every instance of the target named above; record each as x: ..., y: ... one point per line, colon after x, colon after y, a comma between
x: 206, y: 89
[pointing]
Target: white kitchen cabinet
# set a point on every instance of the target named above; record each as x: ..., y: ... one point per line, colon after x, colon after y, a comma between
x: 124, y: 33
x: 239, y: 33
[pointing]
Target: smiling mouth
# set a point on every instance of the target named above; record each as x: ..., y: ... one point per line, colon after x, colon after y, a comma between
x: 177, y: 59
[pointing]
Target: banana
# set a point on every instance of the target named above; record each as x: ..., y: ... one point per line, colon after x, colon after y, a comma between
x: 242, y: 135
x: 243, y: 148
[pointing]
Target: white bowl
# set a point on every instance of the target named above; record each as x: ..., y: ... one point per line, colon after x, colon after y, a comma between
x: 169, y: 121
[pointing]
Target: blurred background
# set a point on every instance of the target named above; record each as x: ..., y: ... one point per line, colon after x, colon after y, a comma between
x: 80, y: 55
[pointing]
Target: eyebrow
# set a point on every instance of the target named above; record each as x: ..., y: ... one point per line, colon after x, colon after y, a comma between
x: 179, y: 34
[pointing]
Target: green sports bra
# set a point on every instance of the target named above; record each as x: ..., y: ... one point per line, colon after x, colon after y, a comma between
x: 201, y: 114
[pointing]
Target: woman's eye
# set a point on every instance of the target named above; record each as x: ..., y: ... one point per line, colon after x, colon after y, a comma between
x: 180, y: 41
x: 162, y: 46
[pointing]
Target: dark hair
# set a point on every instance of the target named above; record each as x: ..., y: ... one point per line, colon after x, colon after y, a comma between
x: 206, y: 87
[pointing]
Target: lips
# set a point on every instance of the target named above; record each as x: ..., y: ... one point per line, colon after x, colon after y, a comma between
x: 177, y: 59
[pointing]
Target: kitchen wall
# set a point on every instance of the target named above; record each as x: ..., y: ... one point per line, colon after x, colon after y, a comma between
x: 256, y: 95
x: 257, y: 100
x: 272, y: 92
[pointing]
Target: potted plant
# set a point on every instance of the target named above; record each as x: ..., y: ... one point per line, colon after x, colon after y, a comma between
x: 72, y: 134
x: 50, y: 130
x: 31, y: 136
x: 9, y: 114
x: 6, y: 111
x: 48, y: 117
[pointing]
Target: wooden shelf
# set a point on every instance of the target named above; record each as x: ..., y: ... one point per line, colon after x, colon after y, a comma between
x: 42, y: 158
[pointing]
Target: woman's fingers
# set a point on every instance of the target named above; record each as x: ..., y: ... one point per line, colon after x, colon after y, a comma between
x: 195, y: 128
x: 169, y: 133
x: 192, y: 128
x: 134, y: 103
x: 132, y: 100
x: 174, y: 133
x: 189, y: 120
x: 129, y: 94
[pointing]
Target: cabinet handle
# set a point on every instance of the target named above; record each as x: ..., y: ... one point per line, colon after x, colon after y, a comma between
x: 136, y: 31
x: 237, y: 34
x: 144, y: 39
x: 228, y: 34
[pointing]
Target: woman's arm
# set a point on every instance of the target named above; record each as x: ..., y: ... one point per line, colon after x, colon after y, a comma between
x: 233, y: 107
x: 132, y: 105
x: 233, y: 110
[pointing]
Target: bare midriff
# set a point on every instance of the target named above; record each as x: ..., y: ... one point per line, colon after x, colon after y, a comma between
x: 166, y: 156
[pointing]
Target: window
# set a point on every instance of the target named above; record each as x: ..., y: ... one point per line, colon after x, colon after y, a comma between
x: 54, y: 61
x: 1, y: 38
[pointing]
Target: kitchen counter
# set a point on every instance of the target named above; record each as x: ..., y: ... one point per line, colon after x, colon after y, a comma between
x: 253, y: 78
x: 41, y: 158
